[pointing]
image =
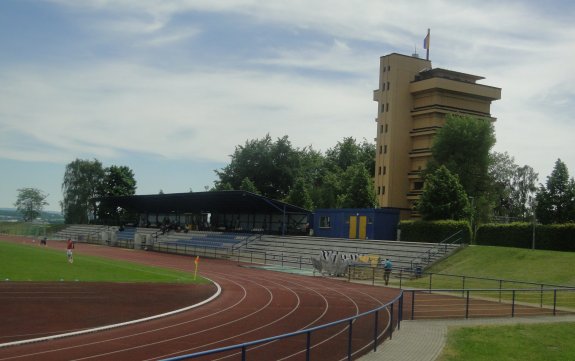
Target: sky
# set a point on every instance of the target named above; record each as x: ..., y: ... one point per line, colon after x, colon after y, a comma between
x: 169, y: 88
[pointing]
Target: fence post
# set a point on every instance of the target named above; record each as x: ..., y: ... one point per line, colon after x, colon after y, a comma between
x: 554, y: 302
x: 412, y: 305
x: 541, y: 302
x: 349, y: 340
x: 463, y: 286
x: 467, y: 306
x: 431, y: 274
x: 299, y: 262
x: 400, y: 312
x: 376, y: 321
x: 373, y: 276
x: 308, y: 346
x: 391, y: 323
x: 500, y: 286
x: 243, y: 353
x: 513, y: 305
x: 349, y: 269
x: 400, y: 277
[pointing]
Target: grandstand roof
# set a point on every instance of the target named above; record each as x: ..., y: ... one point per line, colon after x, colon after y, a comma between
x: 212, y: 202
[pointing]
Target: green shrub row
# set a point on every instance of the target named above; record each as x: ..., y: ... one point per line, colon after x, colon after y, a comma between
x: 555, y: 237
x: 434, y: 232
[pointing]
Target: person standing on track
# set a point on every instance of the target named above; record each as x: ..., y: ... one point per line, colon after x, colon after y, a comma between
x: 69, y: 248
x: 387, y: 266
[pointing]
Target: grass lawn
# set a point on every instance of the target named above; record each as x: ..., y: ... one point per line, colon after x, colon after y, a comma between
x: 535, y: 342
x: 35, y: 263
x: 549, y: 267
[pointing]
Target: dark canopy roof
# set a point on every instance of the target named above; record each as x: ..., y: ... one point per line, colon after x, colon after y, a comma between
x: 212, y: 202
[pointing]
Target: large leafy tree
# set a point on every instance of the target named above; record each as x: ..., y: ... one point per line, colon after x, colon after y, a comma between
x: 556, y: 200
x: 523, y: 190
x: 82, y: 181
x: 357, y: 187
x: 299, y: 195
x: 512, y: 187
x: 443, y: 197
x: 30, y: 203
x: 117, y: 181
x: 462, y: 145
x: 270, y: 165
x: 349, y: 152
x: 280, y: 171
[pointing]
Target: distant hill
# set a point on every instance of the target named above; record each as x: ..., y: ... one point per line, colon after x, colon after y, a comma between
x: 12, y: 215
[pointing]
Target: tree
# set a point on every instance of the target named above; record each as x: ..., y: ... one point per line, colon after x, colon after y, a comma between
x: 349, y: 152
x: 556, y: 200
x: 117, y: 181
x: 357, y: 189
x: 30, y: 203
x: 248, y: 185
x: 523, y: 191
x: 443, y: 197
x: 299, y: 195
x: 82, y: 181
x: 512, y: 187
x: 271, y: 166
x: 462, y: 145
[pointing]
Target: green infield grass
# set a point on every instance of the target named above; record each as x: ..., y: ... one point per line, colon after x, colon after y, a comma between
x: 520, y: 342
x: 36, y: 263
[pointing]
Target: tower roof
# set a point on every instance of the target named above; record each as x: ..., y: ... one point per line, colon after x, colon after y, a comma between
x: 447, y: 74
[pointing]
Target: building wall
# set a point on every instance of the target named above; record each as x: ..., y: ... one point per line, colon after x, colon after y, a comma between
x: 393, y: 126
x: 380, y: 224
x: 413, y: 101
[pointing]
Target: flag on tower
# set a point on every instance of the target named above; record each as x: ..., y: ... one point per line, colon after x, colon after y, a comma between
x: 426, y: 43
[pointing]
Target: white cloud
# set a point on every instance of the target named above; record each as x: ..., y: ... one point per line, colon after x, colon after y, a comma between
x: 202, y: 111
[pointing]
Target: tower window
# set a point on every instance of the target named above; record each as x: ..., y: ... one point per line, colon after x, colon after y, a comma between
x: 384, y: 149
x: 380, y: 149
x: 386, y: 127
x: 384, y: 170
x: 379, y: 171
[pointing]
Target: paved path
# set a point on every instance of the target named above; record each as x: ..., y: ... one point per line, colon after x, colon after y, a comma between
x: 424, y: 340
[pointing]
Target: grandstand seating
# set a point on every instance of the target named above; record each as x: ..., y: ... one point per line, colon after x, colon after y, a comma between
x: 406, y: 255
x: 284, y: 250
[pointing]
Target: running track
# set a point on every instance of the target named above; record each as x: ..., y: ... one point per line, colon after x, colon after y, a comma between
x: 254, y: 304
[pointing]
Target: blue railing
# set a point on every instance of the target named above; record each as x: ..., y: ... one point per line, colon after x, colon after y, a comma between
x: 394, y: 310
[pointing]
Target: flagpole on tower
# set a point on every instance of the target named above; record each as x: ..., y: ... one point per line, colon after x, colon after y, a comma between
x: 426, y: 43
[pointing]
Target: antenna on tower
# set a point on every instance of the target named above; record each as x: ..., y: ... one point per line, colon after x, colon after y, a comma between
x: 415, y: 55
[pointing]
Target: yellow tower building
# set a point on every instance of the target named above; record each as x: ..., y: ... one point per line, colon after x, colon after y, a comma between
x: 413, y: 100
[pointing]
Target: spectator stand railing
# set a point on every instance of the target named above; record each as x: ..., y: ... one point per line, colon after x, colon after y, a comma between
x: 436, y: 253
x: 379, y: 332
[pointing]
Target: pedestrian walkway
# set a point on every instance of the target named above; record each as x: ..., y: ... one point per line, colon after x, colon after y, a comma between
x: 424, y: 340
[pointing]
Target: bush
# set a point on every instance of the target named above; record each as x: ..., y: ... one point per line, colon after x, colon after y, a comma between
x: 434, y: 231
x: 554, y: 237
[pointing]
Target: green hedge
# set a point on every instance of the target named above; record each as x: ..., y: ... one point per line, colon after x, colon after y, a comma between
x: 555, y: 237
x: 434, y: 232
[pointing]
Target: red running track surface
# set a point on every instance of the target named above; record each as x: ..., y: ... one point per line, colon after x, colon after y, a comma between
x: 254, y: 304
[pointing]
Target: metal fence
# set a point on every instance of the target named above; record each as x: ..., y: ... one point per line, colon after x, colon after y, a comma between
x: 340, y: 340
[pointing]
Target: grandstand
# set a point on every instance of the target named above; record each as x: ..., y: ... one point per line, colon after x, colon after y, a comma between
x: 284, y: 251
